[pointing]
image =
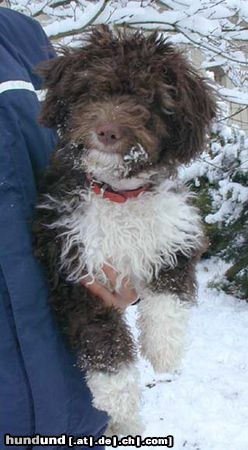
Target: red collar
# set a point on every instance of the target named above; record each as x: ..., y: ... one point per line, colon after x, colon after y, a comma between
x: 107, y: 192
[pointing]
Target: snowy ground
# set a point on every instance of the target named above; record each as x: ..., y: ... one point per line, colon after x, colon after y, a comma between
x: 205, y: 406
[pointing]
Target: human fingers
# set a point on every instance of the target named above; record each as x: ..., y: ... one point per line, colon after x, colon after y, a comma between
x: 100, y: 291
x: 128, y: 291
x: 111, y: 274
x: 121, y: 299
x: 126, y: 294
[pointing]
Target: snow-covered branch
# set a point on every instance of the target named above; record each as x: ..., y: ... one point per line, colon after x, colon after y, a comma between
x: 218, y: 28
x: 70, y: 26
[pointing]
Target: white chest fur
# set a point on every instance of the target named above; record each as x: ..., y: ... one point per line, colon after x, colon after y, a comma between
x: 136, y: 237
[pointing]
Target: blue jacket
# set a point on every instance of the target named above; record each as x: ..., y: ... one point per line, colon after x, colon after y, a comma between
x: 41, y: 390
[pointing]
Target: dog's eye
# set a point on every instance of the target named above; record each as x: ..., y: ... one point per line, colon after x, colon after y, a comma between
x: 167, y: 103
x: 167, y: 111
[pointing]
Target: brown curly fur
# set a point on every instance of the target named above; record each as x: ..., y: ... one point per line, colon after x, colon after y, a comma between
x: 163, y: 102
x: 164, y: 105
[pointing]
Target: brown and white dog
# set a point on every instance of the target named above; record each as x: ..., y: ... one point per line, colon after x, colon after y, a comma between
x: 129, y: 109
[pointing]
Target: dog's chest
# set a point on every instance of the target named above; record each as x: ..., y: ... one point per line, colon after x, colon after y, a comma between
x: 136, y: 237
x: 123, y: 234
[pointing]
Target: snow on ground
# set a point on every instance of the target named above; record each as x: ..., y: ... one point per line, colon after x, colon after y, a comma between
x: 205, y: 406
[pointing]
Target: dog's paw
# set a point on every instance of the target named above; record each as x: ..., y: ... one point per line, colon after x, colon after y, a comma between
x: 167, y: 359
x: 119, y: 395
x: 134, y: 427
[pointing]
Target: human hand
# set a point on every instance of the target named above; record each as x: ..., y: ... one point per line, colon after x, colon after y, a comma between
x: 121, y: 299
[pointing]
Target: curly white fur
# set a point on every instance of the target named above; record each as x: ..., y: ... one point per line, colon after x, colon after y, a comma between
x: 136, y: 237
x: 162, y: 322
x: 119, y: 395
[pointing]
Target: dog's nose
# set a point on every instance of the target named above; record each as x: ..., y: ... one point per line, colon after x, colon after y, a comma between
x: 109, y: 133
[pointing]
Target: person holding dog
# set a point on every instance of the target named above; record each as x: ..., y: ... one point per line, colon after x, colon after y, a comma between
x: 41, y: 389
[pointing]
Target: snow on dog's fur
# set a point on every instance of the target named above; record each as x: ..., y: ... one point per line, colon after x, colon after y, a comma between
x: 129, y: 109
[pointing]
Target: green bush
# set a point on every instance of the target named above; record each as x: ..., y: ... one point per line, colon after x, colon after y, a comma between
x: 220, y: 179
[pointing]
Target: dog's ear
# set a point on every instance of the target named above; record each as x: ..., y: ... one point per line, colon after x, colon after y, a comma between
x: 53, y: 108
x: 190, y: 104
x: 62, y: 87
x: 62, y: 79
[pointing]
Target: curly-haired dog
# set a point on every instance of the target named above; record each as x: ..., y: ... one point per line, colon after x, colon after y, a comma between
x: 129, y: 109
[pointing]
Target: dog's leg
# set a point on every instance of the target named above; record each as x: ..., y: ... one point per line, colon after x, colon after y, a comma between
x: 162, y: 321
x: 112, y: 375
x: 107, y: 353
x: 163, y: 314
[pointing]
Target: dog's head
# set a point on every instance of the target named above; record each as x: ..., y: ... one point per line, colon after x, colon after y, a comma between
x: 130, y: 100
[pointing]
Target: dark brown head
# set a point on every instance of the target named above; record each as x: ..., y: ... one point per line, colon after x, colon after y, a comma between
x: 130, y: 96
